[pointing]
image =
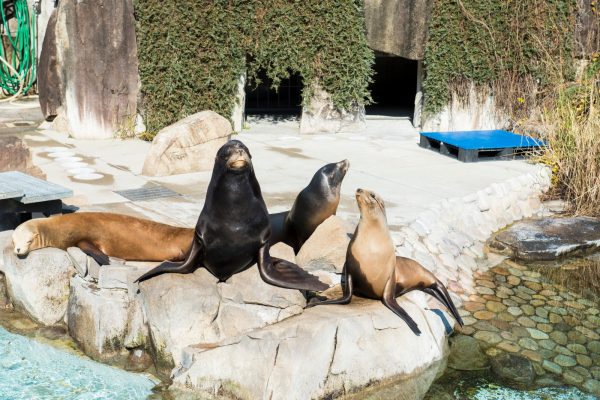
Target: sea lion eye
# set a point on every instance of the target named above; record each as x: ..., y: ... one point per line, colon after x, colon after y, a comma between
x: 373, y: 195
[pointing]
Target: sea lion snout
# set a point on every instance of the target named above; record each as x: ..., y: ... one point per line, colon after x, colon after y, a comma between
x: 235, y: 154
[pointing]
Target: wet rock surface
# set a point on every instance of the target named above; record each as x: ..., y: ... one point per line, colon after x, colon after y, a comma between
x: 548, y: 239
x: 544, y: 326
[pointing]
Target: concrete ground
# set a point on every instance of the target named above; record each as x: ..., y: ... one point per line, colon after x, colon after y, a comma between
x: 384, y: 158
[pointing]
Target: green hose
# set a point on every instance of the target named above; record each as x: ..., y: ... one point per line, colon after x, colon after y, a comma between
x: 18, y: 74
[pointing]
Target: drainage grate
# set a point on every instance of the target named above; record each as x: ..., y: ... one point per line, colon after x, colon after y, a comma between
x: 151, y: 193
x: 16, y: 124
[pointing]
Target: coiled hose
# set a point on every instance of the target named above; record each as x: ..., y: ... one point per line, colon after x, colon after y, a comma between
x: 18, y: 52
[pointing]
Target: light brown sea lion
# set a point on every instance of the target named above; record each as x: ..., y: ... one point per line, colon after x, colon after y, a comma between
x: 105, y: 234
x: 373, y: 270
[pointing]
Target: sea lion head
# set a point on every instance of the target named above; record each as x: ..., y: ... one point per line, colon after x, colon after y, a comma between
x: 328, y: 179
x: 25, y: 238
x: 234, y: 156
x: 371, y: 205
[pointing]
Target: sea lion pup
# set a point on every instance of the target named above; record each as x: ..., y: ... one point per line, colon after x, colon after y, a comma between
x: 233, y: 229
x: 372, y: 269
x: 100, y: 235
x: 314, y: 204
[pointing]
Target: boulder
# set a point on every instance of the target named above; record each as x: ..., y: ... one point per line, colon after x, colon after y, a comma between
x: 513, y: 369
x: 101, y: 321
x: 89, y: 68
x: 16, y: 156
x: 189, y: 145
x: 466, y: 354
x: 325, y: 350
x: 326, y: 248
x: 548, y: 239
x: 321, y: 116
x: 39, y: 284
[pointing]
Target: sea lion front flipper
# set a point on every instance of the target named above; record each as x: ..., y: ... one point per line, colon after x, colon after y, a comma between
x: 389, y: 300
x: 94, y: 252
x: 347, y: 289
x: 278, y: 231
x: 282, y: 273
x: 185, y: 267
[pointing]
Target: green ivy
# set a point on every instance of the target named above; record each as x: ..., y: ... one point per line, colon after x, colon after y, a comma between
x: 192, y: 52
x: 497, y: 44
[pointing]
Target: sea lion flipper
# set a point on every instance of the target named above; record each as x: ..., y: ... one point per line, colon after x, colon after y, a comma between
x: 94, y: 252
x: 438, y: 290
x: 389, y: 300
x: 285, y: 274
x: 347, y: 288
x: 185, y: 267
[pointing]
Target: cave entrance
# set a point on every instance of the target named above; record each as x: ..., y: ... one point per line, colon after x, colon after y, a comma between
x: 285, y: 101
x: 394, y: 86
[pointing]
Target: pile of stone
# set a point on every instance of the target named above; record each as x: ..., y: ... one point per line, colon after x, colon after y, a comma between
x: 243, y: 336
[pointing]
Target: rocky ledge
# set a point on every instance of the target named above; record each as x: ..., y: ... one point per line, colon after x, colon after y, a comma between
x: 241, y: 337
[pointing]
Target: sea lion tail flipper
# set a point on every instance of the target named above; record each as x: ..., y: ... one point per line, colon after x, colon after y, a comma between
x: 447, y: 300
x: 389, y: 300
x: 185, y: 267
x: 94, y: 252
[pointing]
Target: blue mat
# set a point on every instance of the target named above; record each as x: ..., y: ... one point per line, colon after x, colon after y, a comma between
x: 482, y: 140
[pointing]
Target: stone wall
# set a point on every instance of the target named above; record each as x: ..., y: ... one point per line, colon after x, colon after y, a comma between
x: 448, y: 239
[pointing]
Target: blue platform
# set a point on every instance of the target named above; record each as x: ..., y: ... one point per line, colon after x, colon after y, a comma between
x: 470, y: 146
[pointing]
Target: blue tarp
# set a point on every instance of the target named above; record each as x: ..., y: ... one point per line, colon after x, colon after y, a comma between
x: 482, y: 140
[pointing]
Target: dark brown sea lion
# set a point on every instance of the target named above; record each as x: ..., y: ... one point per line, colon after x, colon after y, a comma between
x: 101, y: 235
x: 372, y: 269
x: 233, y: 230
x: 314, y: 204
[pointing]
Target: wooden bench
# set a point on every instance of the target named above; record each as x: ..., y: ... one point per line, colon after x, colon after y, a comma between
x: 23, y: 194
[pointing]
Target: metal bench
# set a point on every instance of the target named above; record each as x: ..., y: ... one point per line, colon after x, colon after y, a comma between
x: 23, y: 194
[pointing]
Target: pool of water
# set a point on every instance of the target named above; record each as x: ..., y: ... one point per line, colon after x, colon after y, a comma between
x: 34, y: 370
x: 488, y: 391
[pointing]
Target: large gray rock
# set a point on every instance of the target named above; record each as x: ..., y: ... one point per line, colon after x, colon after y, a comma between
x: 513, y: 369
x: 321, y: 116
x: 549, y: 238
x: 183, y: 310
x: 189, y: 145
x: 326, y: 248
x: 16, y: 156
x: 104, y: 322
x: 39, y: 284
x: 466, y: 354
x: 89, y: 68
x: 398, y: 27
x: 325, y: 350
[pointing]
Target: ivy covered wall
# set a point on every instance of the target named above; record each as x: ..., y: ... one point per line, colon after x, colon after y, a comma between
x: 515, y: 48
x: 192, y: 52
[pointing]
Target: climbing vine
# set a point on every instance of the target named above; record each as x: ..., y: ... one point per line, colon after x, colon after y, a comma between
x: 192, y: 52
x: 515, y: 48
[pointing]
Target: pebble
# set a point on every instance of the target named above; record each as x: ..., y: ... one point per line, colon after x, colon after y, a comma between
x: 583, y: 371
x: 537, y: 334
x: 495, y: 306
x: 504, y: 316
x: 476, y: 298
x: 571, y: 320
x: 547, y: 344
x: 576, y: 337
x: 595, y: 371
x: 545, y: 327
x: 486, y: 283
x: 466, y: 330
x: 565, y: 361
x: 541, y: 312
x: 583, y: 360
x: 555, y: 318
x: 532, y: 355
x: 594, y: 346
x: 483, y: 290
x: 527, y: 309
x: 523, y: 296
x: 526, y: 322
x: 472, y: 306
x: 528, y: 343
x: 508, y: 336
x: 563, y: 350
x: 572, y: 377
x: 559, y: 337
x: 574, y: 304
x: 516, y: 311
x: 508, y: 346
x: 488, y: 337
x: 533, y: 286
x: 577, y: 348
x: 515, y: 272
x: 513, y: 280
x: 552, y: 367
x: 484, y: 315
x: 485, y: 326
x: 469, y: 320
x: 510, y: 303
x: 519, y: 331
x: 539, y: 320
x: 588, y: 332
x: 547, y: 292
x: 592, y: 386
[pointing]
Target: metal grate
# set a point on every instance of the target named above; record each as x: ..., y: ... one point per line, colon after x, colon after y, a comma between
x: 150, y: 193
